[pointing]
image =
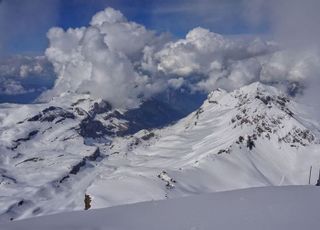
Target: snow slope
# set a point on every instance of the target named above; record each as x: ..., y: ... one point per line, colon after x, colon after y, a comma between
x: 293, y: 207
x: 210, y: 150
x: 57, y: 157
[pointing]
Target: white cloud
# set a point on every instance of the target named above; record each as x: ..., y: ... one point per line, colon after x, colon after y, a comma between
x: 176, y: 82
x: 25, y: 74
x: 120, y: 35
x: 108, y: 15
x: 100, y: 59
x: 217, y: 61
x: 122, y: 61
x: 194, y: 54
x: 11, y: 87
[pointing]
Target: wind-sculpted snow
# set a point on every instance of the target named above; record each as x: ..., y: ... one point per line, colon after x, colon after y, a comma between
x: 55, y: 155
x: 234, y: 140
x: 46, y: 149
x: 292, y: 207
x: 39, y: 147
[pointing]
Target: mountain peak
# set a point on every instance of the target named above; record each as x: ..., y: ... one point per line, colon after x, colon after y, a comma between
x: 256, y: 112
x: 253, y: 136
x: 259, y: 88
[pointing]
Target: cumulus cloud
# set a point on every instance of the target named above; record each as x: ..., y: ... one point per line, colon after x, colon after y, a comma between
x: 295, y: 25
x: 195, y: 53
x: 217, y: 61
x: 100, y: 59
x: 11, y: 87
x: 24, y: 74
x: 123, y: 62
x: 25, y: 66
x: 120, y: 35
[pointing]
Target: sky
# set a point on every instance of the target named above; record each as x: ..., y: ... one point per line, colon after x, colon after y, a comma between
x: 138, y: 49
x: 26, y: 22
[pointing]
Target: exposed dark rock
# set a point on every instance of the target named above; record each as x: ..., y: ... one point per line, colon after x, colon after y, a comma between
x: 51, y: 108
x: 93, y: 128
x: 114, y: 114
x: 151, y: 114
x: 227, y: 150
x: 29, y: 137
x: 51, y: 113
x: 265, y: 99
x: 76, y: 168
x: 101, y: 107
x: 170, y: 182
x: 87, y: 202
x: 78, y: 102
x: 35, y: 118
x: 18, y: 155
x: 36, y: 210
x: 296, y: 135
x: 15, y: 210
x: 134, y: 142
x: 221, y: 151
x: 33, y: 159
x: 80, y: 111
x: 250, y: 143
x: 63, y: 179
x: 199, y: 111
x: 8, y: 178
x: 148, y: 136
x: 20, y: 202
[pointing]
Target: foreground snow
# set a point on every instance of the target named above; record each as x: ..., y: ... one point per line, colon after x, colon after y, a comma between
x: 294, y: 207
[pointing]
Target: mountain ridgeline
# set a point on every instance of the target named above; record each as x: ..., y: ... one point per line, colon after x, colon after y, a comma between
x: 58, y: 156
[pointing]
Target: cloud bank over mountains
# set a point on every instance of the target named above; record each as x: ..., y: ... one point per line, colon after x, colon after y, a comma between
x: 102, y: 59
x: 24, y: 74
x: 123, y: 62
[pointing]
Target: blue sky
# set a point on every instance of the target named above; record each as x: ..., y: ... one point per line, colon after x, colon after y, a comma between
x: 24, y: 23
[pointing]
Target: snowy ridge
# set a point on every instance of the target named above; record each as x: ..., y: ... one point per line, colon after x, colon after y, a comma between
x: 39, y: 152
x: 57, y: 156
x: 292, y: 207
x: 246, y: 138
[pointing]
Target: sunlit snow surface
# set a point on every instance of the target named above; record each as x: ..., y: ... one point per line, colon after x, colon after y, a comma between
x: 251, y: 137
x: 292, y: 208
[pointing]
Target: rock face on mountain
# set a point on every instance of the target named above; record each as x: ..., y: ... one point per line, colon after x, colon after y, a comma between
x: 54, y: 155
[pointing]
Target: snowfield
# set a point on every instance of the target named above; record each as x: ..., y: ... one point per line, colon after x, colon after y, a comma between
x: 288, y: 207
x: 76, y: 153
x: 210, y: 150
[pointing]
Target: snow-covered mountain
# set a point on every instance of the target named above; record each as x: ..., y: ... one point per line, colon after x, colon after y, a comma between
x: 75, y: 152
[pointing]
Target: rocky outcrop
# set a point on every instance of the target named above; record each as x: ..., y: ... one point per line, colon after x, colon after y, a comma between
x: 52, y: 113
x: 77, y: 167
x: 90, y: 128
